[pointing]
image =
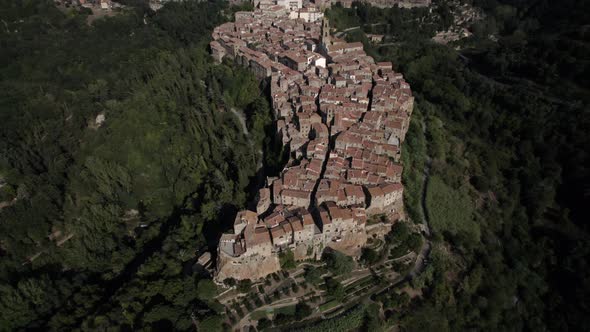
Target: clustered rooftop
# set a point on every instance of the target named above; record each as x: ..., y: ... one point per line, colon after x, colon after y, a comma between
x: 342, y: 116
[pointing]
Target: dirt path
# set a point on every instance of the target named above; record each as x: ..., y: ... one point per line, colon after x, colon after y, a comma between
x: 242, y: 118
x: 426, y: 173
x: 279, y: 304
x: 345, y: 31
x: 425, y: 250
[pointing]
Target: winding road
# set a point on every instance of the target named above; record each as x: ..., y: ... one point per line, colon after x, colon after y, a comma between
x: 425, y: 251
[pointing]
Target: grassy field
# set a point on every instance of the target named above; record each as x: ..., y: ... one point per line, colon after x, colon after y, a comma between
x: 258, y: 314
x: 288, y: 310
x: 328, y: 305
x: 450, y: 211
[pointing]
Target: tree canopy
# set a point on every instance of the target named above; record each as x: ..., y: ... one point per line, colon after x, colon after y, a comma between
x: 337, y: 262
x: 500, y: 123
x: 118, y: 156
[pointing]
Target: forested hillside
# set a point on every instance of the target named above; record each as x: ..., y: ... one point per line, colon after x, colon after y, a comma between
x: 117, y: 148
x: 505, y: 122
x: 119, y: 155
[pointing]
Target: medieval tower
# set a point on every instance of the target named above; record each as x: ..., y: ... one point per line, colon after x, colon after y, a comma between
x: 326, y: 39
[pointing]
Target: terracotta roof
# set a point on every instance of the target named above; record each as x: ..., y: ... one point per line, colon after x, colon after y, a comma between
x: 296, y: 193
x: 274, y: 219
x: 354, y: 191
x: 260, y: 236
x: 325, y: 217
x: 296, y: 225
x: 375, y: 191
x: 277, y: 232
x: 391, y: 187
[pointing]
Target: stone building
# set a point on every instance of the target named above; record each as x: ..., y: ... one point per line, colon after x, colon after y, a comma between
x: 343, y: 118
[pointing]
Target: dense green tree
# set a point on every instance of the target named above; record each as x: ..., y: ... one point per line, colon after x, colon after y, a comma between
x: 206, y: 289
x: 335, y: 289
x: 244, y: 286
x: 263, y: 324
x: 369, y: 256
x: 287, y: 259
x: 107, y: 214
x: 302, y: 311
x: 313, y: 275
x: 337, y: 262
x: 213, y: 323
x: 500, y: 120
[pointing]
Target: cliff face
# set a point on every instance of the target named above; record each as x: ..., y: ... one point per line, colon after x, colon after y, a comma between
x: 246, y: 267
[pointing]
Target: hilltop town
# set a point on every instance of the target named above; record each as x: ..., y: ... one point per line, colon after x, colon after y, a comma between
x: 342, y: 116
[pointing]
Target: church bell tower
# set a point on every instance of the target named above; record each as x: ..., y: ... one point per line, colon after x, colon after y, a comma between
x: 326, y: 39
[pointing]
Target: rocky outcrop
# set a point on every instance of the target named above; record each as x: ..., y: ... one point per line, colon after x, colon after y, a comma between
x: 350, y: 244
x: 379, y: 229
x: 246, y: 267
